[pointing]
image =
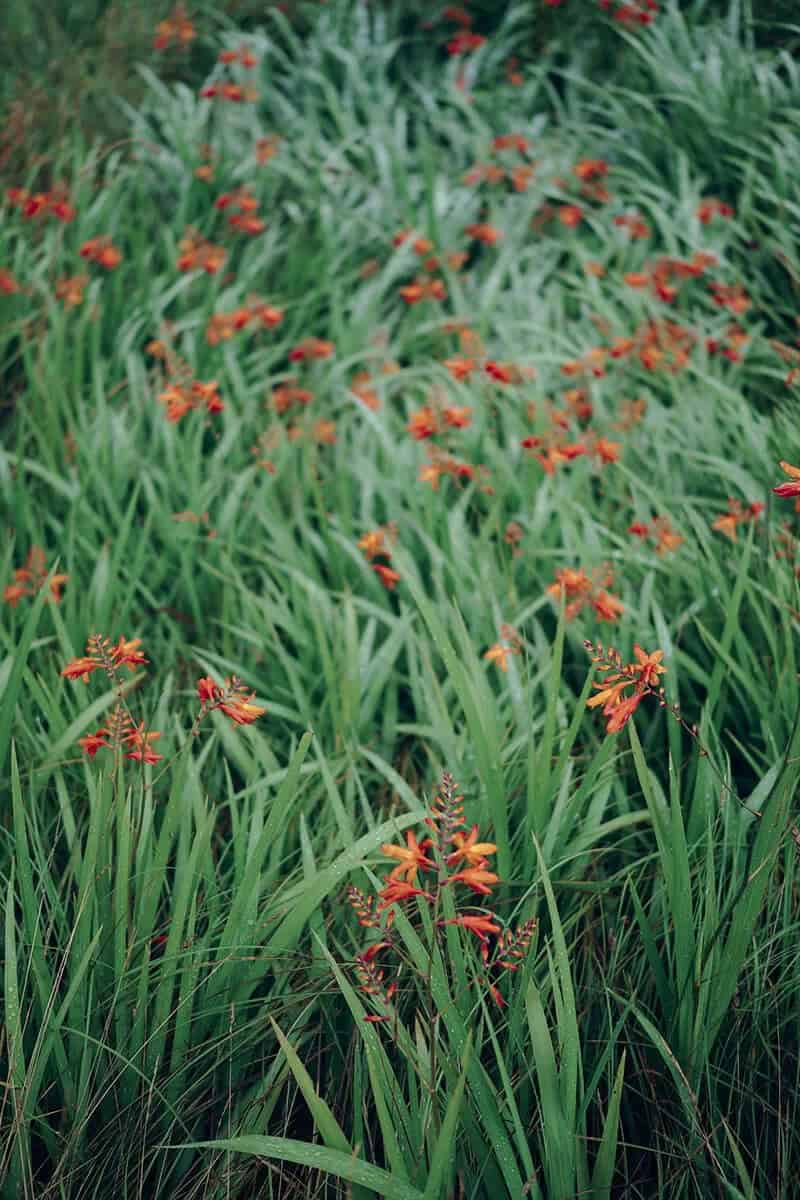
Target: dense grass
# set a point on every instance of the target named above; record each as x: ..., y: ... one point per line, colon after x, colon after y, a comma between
x: 183, y: 1013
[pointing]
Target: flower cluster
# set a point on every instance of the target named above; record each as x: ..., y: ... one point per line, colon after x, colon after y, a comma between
x: 659, y: 531
x: 579, y: 589
x: 639, y: 12
x: 510, y: 643
x: 40, y: 204
x: 614, y: 694
x: 450, y: 857
x: 242, y: 208
x: 222, y: 326
x: 198, y: 254
x: 232, y: 698
x: 176, y: 30
x: 184, y: 393
x: 102, y: 251
x: 737, y: 514
x: 102, y: 655
x: 375, y: 544
x: 70, y: 288
x: 121, y: 733
x: 30, y: 579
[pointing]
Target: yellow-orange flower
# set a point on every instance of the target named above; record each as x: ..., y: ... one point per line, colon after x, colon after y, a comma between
x: 469, y: 850
x: 411, y: 858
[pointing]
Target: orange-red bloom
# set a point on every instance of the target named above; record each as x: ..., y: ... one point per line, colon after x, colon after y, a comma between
x: 387, y: 575
x: 476, y: 878
x: 481, y: 232
x: 792, y: 487
x: 642, y: 676
x: 736, y: 515
x: 309, y: 348
x: 30, y: 579
x: 469, y: 850
x: 102, y: 251
x: 8, y: 284
x: 80, y: 668
x: 411, y: 858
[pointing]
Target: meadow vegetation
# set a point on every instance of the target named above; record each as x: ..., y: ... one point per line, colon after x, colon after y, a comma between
x: 399, y: 734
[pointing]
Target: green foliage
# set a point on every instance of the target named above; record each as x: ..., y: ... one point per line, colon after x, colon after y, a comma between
x: 182, y: 1016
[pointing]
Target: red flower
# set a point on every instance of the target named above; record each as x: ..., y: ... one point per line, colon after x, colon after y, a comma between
x: 792, y: 488
x: 388, y: 577
x: 207, y: 690
x: 94, y: 741
x: 80, y: 668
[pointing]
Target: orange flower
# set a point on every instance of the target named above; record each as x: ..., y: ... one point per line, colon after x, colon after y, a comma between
x: 458, y: 418
x: 590, y: 168
x: 710, y: 207
x: 637, y: 279
x: 101, y: 250
x: 476, y: 878
x: 324, y: 433
x: 504, y: 372
x: 511, y: 141
x: 360, y: 386
x: 666, y: 537
x: 287, y: 395
x: 464, y: 43
x: 8, y: 284
x: 607, y: 607
x: 196, y: 253
x: 460, y: 368
x: 649, y: 666
x: 94, y: 742
x: 521, y: 178
x: 634, y: 225
x: 606, y: 451
x: 388, y: 577
x: 498, y: 654
x: 69, y: 289
x: 423, y: 289
x: 101, y: 654
x: 792, y: 487
x: 609, y: 695
x: 177, y: 28
x: 469, y: 849
x: 481, y: 232
x: 411, y: 858
x: 513, y: 76
x: 622, y: 712
x: 642, y: 676
x: 267, y: 314
x: 140, y: 741
x: 311, y: 347
x: 373, y: 544
x: 731, y: 296
x: 208, y: 690
x: 395, y: 891
x: 30, y: 579
x: 266, y: 147
x: 737, y: 515
x: 570, y: 215
x: 80, y: 668
x: 240, y: 709
x: 127, y: 654
x: 480, y: 926
x: 423, y: 424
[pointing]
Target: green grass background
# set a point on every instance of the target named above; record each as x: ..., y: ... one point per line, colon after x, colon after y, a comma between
x: 180, y: 1017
